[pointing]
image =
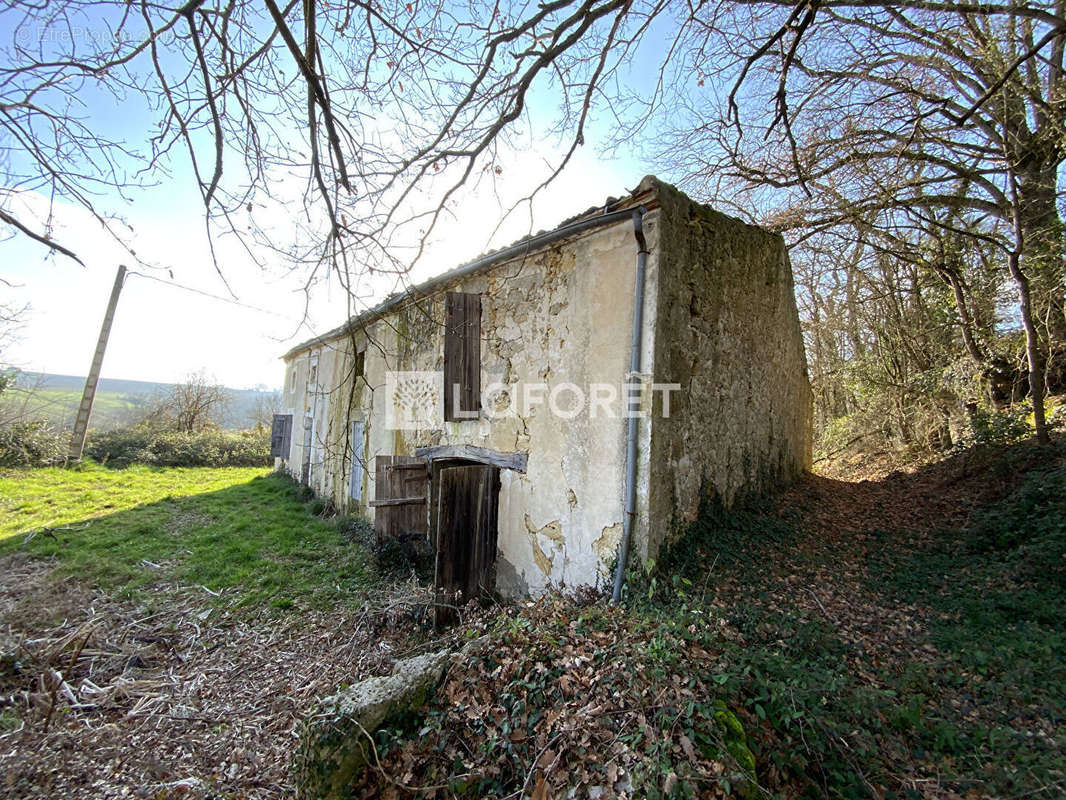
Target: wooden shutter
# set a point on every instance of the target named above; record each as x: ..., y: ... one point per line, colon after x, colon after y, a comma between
x: 462, y: 356
x: 281, y: 435
x: 401, y: 488
x: 355, y: 485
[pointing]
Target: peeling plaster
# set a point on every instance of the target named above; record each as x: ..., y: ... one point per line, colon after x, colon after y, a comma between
x: 606, y: 549
x: 606, y: 545
x: 553, y: 532
x: 712, y: 325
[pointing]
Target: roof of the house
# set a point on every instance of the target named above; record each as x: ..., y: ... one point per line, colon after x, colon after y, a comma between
x: 646, y: 187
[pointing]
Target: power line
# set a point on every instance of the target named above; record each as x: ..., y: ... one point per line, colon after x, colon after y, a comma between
x: 212, y: 296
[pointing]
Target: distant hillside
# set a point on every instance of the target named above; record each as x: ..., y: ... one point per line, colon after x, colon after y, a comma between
x: 118, y: 402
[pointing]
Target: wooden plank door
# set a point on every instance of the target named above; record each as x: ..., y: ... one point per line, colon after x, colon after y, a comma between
x: 401, y: 489
x: 281, y: 435
x: 467, y: 528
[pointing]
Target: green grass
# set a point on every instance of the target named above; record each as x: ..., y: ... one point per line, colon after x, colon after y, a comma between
x: 240, y: 531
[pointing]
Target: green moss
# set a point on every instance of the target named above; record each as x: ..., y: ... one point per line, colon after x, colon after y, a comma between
x: 736, y: 744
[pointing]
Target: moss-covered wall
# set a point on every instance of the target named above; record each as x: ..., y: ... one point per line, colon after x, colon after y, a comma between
x: 728, y: 332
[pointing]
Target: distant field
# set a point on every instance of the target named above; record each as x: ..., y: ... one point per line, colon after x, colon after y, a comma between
x: 238, y: 531
x: 110, y: 409
x: 117, y: 403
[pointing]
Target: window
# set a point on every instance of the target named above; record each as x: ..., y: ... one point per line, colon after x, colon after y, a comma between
x: 312, y: 377
x: 292, y: 377
x: 358, y: 365
x: 462, y: 356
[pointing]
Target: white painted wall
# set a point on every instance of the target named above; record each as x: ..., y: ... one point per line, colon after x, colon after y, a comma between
x: 560, y: 315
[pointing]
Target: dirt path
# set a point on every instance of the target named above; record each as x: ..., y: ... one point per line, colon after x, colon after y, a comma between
x: 853, y: 546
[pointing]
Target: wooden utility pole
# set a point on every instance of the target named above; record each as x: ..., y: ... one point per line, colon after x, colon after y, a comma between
x: 81, y: 423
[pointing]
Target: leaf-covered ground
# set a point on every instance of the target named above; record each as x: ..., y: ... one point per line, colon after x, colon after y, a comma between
x: 163, y: 632
x: 904, y: 637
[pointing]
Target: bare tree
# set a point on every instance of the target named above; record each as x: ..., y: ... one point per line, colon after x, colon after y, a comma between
x: 362, y: 120
x: 18, y: 392
x: 265, y: 406
x: 197, y: 403
x: 374, y: 107
x: 12, y: 318
x: 155, y: 410
x: 939, y: 118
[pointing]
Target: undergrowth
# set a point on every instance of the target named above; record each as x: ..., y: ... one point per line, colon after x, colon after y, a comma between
x: 837, y: 661
x: 973, y: 700
x: 573, y: 693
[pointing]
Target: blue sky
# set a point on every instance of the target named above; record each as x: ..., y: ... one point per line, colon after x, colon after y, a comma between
x: 162, y: 333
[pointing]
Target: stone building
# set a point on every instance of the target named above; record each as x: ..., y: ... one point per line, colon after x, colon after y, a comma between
x: 485, y: 411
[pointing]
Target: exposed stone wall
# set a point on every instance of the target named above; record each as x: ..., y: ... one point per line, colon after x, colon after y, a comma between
x: 729, y: 334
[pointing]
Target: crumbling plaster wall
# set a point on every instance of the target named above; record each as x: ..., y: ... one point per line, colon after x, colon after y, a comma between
x: 318, y: 397
x: 728, y: 333
x: 563, y: 314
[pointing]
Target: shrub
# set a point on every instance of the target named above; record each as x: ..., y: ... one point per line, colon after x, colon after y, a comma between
x: 31, y: 444
x: 168, y: 448
x: 391, y: 558
x: 356, y: 529
x: 998, y: 427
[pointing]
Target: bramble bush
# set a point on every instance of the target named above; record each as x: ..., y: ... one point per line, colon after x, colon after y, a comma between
x: 170, y: 448
x: 34, y: 443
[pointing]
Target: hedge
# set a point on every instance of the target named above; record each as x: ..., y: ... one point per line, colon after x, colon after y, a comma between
x: 165, y: 448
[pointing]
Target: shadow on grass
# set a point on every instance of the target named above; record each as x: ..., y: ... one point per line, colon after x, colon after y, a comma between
x: 254, y: 543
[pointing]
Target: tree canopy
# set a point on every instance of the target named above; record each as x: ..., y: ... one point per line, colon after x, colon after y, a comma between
x: 928, y: 132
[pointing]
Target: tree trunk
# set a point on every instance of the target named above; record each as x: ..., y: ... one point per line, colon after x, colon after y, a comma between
x: 1032, y: 348
x: 1045, y: 251
x: 966, y: 322
x: 1033, y: 353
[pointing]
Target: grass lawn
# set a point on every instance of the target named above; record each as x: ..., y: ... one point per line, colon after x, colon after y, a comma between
x: 243, y: 532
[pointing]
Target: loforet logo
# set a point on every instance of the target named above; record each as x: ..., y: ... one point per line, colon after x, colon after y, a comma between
x: 414, y: 400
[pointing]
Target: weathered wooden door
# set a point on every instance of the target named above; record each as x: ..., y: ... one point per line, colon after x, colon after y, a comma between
x: 467, y: 500
x: 401, y: 489
x: 281, y: 436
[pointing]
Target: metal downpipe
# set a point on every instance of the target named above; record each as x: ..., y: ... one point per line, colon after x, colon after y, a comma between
x: 632, y: 423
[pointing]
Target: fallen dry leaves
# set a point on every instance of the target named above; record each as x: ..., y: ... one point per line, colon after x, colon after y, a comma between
x: 571, y: 696
x: 185, y: 700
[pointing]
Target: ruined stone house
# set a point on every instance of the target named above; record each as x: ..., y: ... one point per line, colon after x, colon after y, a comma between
x: 475, y: 412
